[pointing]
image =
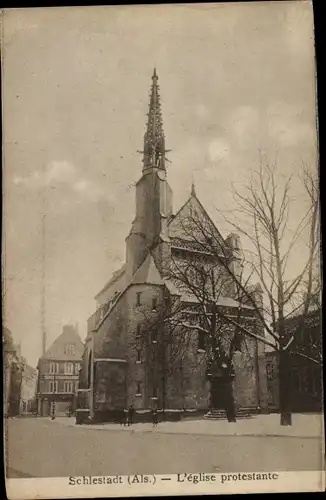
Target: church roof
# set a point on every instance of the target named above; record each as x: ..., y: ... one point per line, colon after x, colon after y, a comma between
x: 57, y: 351
x: 222, y: 301
x: 147, y: 273
x: 180, y: 235
x: 117, y: 275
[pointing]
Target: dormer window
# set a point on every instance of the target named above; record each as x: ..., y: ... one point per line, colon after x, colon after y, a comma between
x: 69, y: 349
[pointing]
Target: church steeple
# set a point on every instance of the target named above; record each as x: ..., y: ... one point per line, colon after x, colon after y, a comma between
x: 154, y: 140
x: 149, y: 232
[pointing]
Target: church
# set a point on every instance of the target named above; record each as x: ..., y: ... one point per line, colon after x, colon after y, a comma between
x: 127, y: 359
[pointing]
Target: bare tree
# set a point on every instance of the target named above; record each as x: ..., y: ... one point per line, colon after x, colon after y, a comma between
x: 205, y: 268
x: 200, y: 313
x: 264, y: 208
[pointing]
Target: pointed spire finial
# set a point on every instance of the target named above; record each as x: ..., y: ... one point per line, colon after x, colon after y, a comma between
x: 193, y: 191
x: 154, y: 140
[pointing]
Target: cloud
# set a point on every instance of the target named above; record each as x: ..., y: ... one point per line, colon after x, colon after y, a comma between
x: 63, y: 173
x: 244, y: 125
x: 56, y: 172
x: 286, y: 127
x: 201, y: 111
x: 218, y: 150
x: 89, y: 190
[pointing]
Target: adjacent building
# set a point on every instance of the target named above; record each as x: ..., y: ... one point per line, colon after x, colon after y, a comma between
x: 12, y: 370
x: 28, y: 389
x: 306, y: 374
x: 116, y: 369
x: 58, y: 370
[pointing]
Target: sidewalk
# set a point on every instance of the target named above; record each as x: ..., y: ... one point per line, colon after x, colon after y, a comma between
x: 303, y: 426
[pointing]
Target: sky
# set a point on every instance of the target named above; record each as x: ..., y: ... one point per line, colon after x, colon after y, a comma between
x: 235, y: 79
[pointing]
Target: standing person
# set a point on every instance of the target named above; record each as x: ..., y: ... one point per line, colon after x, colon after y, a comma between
x: 154, y: 416
x: 122, y: 416
x: 53, y: 410
x: 131, y: 412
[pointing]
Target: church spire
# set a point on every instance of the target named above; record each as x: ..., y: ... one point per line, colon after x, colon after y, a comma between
x: 154, y: 140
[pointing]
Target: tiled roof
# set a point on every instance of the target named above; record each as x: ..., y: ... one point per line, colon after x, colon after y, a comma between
x: 117, y: 275
x: 147, y: 273
x: 56, y: 351
x: 171, y: 287
x: 192, y: 204
x: 222, y: 301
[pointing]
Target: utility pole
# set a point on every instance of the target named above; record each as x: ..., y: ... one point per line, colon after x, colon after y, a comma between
x: 43, y: 331
x: 43, y: 281
x: 53, y: 399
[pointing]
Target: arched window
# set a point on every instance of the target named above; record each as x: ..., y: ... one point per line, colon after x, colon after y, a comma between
x: 89, y: 368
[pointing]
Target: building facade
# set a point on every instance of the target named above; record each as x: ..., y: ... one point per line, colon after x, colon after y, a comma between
x: 12, y: 371
x: 58, y: 371
x: 118, y: 369
x: 306, y: 374
x: 28, y: 389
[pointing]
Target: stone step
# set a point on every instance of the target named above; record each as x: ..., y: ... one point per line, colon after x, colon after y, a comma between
x: 221, y: 414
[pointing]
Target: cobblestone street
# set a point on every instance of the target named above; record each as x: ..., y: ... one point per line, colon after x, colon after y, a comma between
x: 39, y: 447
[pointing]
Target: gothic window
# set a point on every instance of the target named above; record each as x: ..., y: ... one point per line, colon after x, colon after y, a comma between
x: 201, y: 341
x: 238, y: 342
x: 295, y: 379
x: 138, y: 299
x: 89, y: 368
x: 270, y: 371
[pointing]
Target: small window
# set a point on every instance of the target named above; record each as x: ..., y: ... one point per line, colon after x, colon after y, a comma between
x: 138, y: 392
x: 69, y: 368
x: 138, y: 356
x: 53, y: 386
x: 70, y: 349
x: 54, y: 367
x: 138, y: 332
x: 154, y: 336
x: 138, y: 299
x: 154, y: 304
x: 68, y: 387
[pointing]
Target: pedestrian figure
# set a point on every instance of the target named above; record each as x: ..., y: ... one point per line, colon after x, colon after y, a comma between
x: 131, y: 412
x: 123, y: 417
x: 53, y: 410
x: 154, y: 417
